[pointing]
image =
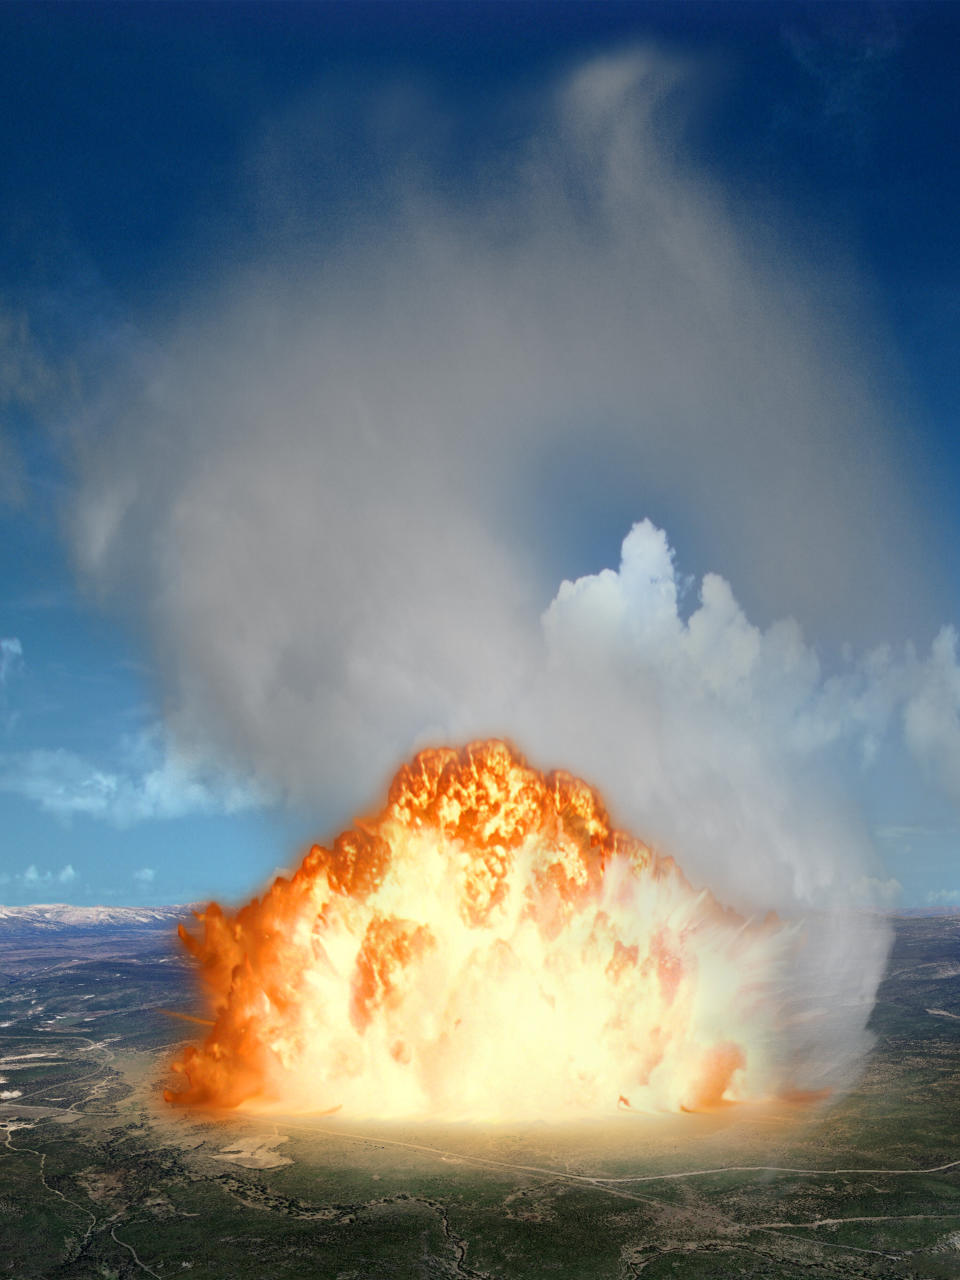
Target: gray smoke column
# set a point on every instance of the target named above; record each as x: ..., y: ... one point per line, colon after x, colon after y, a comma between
x: 336, y: 506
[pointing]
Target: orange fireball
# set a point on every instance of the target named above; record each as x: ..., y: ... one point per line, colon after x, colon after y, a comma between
x: 487, y: 947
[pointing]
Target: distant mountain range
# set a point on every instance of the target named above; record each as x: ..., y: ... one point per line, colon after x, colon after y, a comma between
x: 56, y: 916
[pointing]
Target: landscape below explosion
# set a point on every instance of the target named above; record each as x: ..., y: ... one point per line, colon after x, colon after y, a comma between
x: 487, y: 947
x: 865, y: 1185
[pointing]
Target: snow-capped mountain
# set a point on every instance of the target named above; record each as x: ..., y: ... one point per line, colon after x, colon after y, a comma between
x: 59, y: 915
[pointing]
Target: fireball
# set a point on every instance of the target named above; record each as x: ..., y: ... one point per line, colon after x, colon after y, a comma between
x: 488, y: 947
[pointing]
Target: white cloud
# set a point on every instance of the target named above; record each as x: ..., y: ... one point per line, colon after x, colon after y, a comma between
x: 705, y: 715
x: 24, y: 373
x: 11, y: 654
x: 152, y: 780
x: 707, y: 733
x: 32, y: 877
x: 25, y: 378
x: 11, y: 662
x: 145, y: 875
x: 946, y: 897
x: 886, y: 892
x: 932, y: 712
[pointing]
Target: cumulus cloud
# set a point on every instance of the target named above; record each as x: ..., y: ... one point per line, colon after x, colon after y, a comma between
x: 153, y: 780
x: 717, y: 734
x: 145, y: 875
x: 701, y: 728
x: 32, y: 878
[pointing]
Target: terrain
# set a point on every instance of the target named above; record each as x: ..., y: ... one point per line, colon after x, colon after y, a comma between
x: 100, y: 1178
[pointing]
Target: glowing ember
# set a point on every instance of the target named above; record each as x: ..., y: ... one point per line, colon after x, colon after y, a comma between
x: 487, y: 948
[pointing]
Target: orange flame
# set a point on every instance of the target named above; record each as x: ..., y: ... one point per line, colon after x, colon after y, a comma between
x: 488, y: 947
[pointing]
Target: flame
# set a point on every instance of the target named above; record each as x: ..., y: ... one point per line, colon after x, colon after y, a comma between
x: 488, y: 947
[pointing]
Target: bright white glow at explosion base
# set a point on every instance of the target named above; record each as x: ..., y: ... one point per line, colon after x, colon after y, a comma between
x: 488, y: 947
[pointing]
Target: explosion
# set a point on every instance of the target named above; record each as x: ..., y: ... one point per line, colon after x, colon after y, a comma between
x: 488, y: 947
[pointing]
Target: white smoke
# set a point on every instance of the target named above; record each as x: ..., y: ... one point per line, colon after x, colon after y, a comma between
x: 337, y: 505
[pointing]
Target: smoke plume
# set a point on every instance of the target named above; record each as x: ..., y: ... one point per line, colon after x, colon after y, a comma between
x: 342, y: 502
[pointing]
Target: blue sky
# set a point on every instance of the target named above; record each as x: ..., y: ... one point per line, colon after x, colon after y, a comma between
x: 302, y: 305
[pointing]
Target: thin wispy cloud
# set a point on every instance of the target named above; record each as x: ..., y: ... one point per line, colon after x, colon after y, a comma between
x: 26, y: 377
x: 944, y: 897
x: 11, y: 656
x: 152, y: 781
x: 11, y: 664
